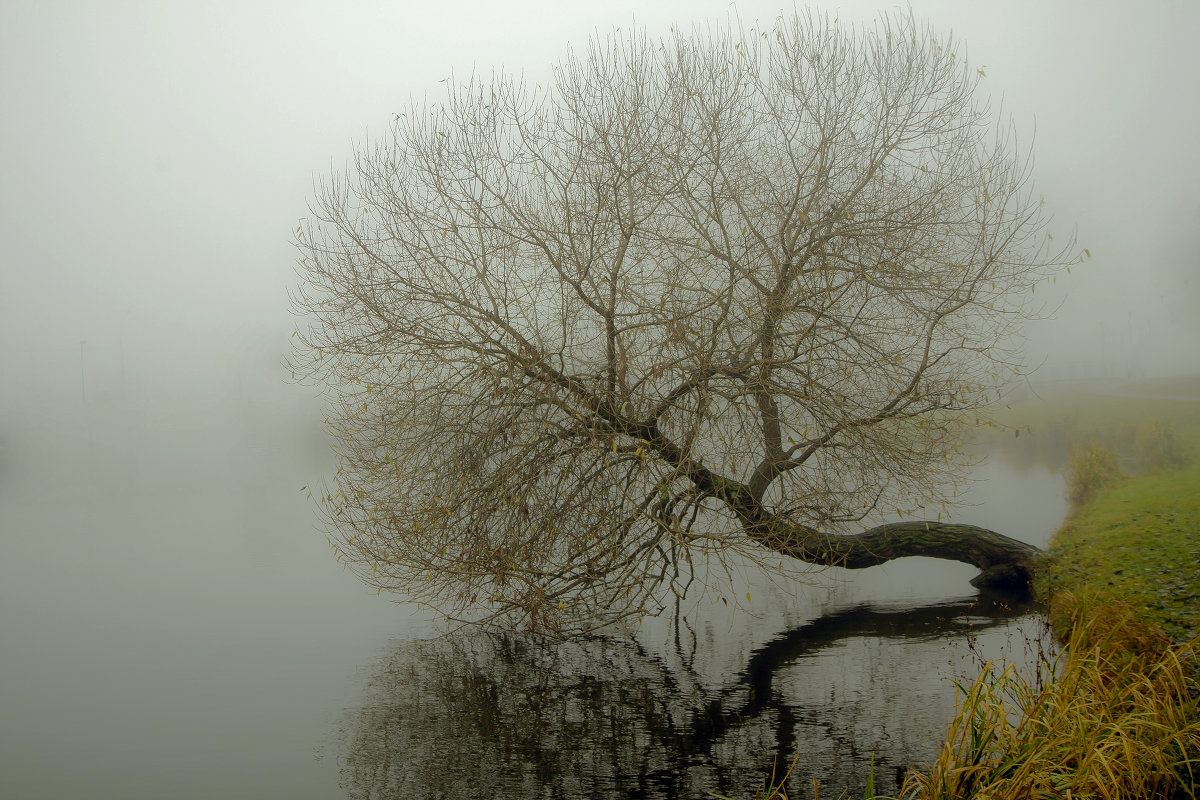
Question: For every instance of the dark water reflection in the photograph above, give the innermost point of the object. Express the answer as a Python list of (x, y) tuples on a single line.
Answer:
[(854, 671), (171, 625), (479, 715)]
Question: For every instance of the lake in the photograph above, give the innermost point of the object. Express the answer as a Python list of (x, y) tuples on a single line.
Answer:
[(172, 624)]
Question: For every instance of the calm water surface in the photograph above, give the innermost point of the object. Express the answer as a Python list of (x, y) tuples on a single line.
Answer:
[(171, 625)]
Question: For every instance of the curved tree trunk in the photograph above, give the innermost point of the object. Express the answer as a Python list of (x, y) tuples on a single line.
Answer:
[(1004, 562)]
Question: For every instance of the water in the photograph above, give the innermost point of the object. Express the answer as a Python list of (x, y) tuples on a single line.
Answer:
[(171, 624)]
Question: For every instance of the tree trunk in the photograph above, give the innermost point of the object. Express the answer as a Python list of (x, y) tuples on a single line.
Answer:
[(1004, 563)]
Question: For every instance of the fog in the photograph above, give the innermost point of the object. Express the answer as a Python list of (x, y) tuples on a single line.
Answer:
[(156, 159)]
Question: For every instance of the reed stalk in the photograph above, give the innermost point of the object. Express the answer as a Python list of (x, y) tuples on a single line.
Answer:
[(1116, 720)]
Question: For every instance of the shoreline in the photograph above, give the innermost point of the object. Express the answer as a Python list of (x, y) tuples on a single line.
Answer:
[(1121, 583)]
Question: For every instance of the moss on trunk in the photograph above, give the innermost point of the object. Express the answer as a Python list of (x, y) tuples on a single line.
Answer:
[(1004, 562)]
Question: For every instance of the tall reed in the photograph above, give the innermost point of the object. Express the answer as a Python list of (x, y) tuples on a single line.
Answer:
[(1116, 719)]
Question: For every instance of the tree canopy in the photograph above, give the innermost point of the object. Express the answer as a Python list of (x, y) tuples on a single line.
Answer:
[(721, 297)]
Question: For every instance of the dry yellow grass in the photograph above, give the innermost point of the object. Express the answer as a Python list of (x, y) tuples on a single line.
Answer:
[(1117, 721)]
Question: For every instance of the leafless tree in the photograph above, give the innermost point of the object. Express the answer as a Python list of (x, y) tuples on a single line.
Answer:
[(711, 299)]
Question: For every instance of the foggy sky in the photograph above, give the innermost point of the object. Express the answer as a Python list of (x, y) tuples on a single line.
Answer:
[(157, 157)]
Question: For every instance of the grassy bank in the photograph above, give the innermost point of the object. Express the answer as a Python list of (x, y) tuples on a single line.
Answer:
[(1117, 715), (1132, 460), (1112, 718), (1137, 543)]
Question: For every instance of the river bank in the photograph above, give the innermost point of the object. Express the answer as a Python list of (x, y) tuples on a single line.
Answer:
[(1132, 459), (1116, 714), (1138, 544)]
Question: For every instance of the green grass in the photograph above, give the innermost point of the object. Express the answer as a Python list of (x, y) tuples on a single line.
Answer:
[(1122, 581), (1133, 540), (1116, 716), (1139, 543)]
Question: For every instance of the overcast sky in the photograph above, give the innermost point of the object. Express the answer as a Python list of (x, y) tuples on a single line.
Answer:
[(157, 156)]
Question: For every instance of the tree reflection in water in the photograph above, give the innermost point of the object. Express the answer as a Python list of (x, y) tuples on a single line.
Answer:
[(483, 715)]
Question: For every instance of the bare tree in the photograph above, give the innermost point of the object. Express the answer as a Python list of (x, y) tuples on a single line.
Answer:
[(702, 301)]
